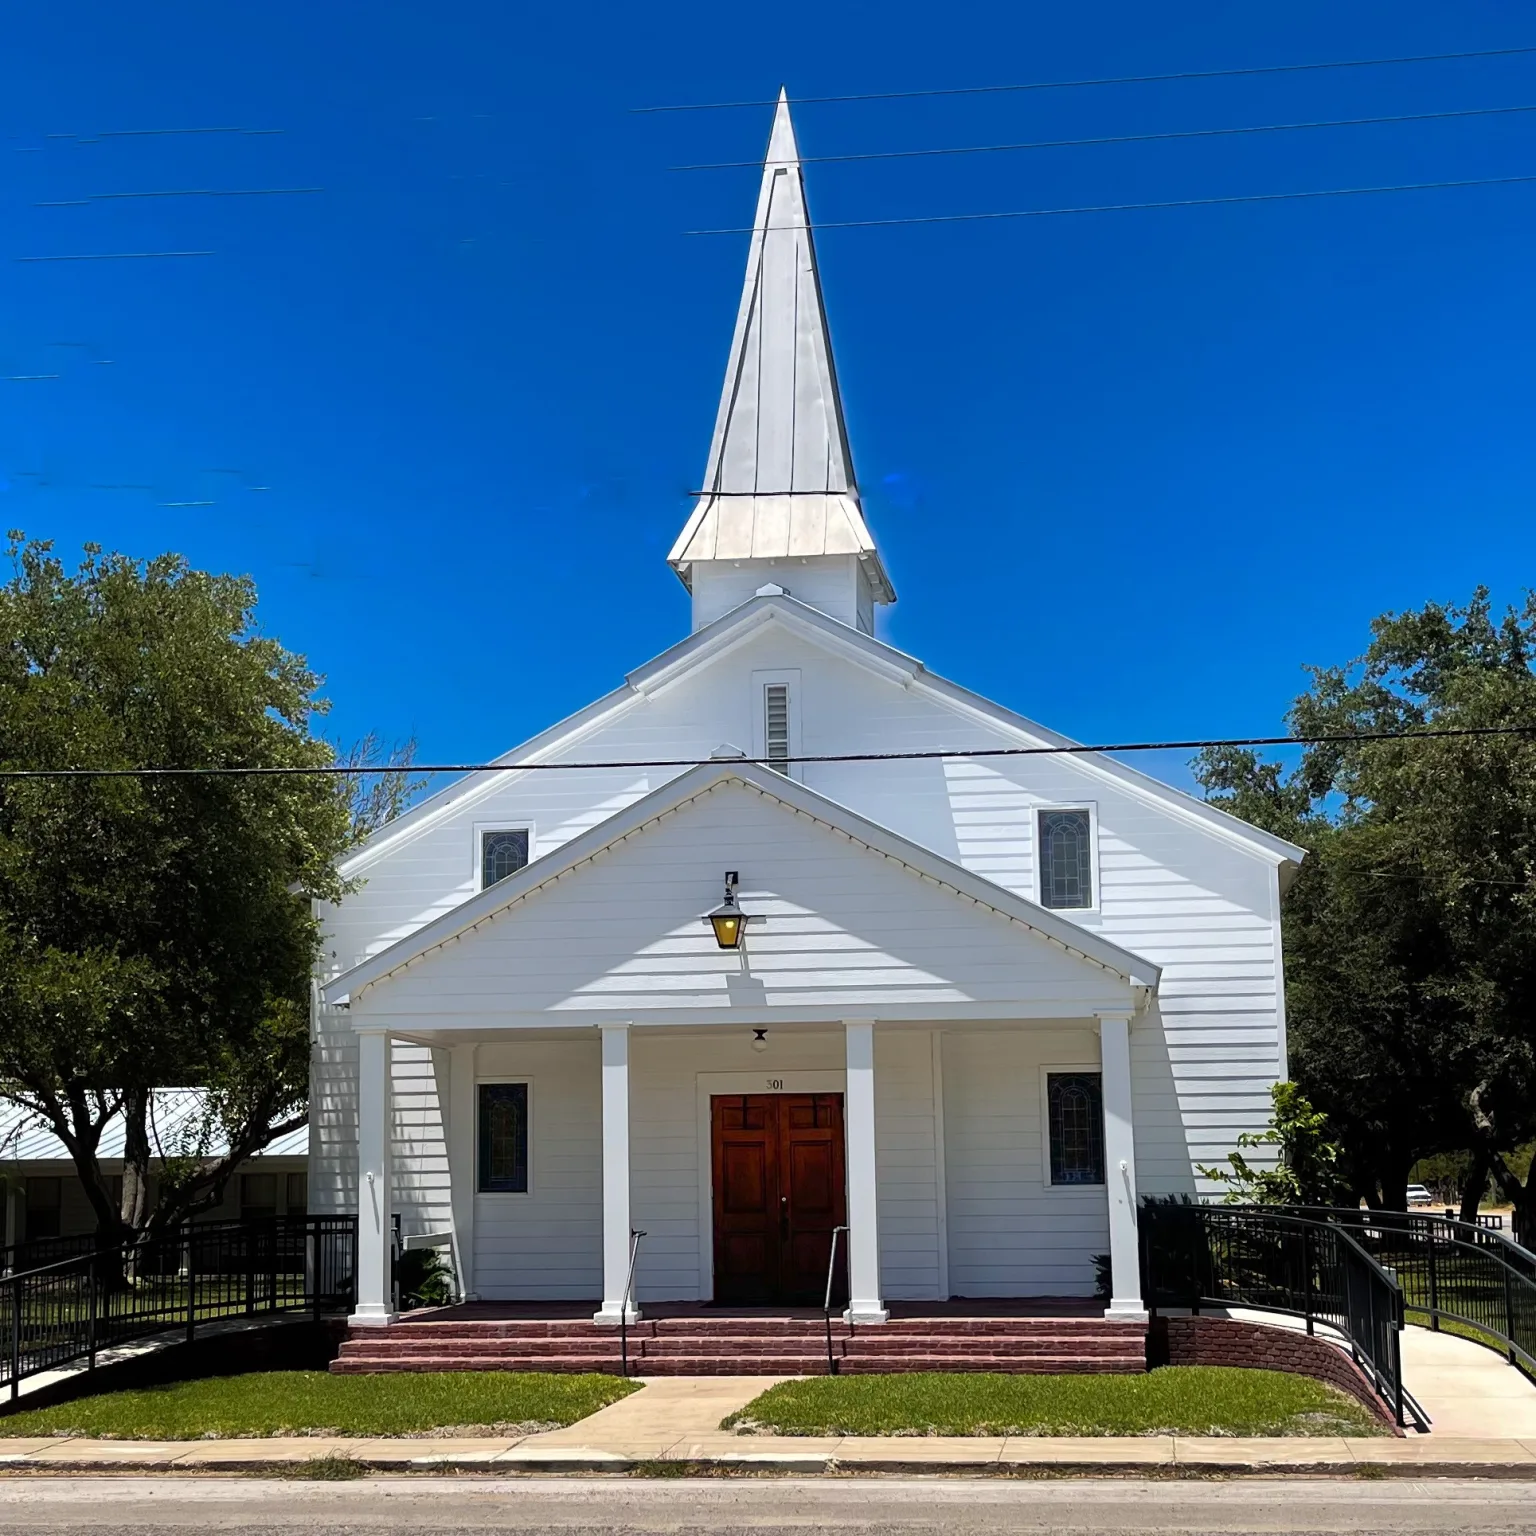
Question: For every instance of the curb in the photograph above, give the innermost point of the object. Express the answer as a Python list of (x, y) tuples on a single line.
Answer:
[(809, 1464)]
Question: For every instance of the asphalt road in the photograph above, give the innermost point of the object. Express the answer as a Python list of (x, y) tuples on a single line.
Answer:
[(746, 1507)]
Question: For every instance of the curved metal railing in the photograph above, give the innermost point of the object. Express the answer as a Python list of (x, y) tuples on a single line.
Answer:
[(1276, 1261), (70, 1310), (1451, 1272)]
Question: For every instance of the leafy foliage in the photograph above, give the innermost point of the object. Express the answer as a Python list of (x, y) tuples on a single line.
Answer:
[(1308, 1170), (425, 1277), (1411, 929), (158, 931)]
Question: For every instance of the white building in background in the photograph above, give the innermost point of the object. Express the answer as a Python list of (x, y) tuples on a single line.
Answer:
[(44, 1198), (982, 1004)]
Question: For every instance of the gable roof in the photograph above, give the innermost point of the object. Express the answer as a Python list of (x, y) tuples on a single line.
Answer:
[(175, 1114), (780, 477), (734, 627), (690, 786)]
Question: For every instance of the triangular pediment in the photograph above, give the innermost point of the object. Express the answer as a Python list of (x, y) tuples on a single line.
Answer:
[(854, 922)]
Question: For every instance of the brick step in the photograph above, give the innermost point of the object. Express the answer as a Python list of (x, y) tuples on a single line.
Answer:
[(1006, 1365), (870, 1341), (560, 1365), (999, 1346), (719, 1365), (740, 1328), (680, 1365), (508, 1330), (357, 1345)]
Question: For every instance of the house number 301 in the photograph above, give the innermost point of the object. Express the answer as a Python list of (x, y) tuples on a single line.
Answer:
[(775, 1083)]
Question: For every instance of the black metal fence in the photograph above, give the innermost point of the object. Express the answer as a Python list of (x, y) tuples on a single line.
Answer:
[(1453, 1274), (1275, 1261), (72, 1309), (38, 1251)]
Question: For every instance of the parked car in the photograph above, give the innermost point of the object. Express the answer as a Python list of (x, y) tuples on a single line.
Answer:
[(1418, 1195)]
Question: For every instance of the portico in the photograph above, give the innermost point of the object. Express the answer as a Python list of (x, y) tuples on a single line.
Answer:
[(960, 1047)]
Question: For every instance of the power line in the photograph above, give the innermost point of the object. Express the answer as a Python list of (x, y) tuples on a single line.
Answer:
[(352, 770), (116, 256), (156, 133), (1123, 138), (1182, 202), (1066, 85), (105, 197)]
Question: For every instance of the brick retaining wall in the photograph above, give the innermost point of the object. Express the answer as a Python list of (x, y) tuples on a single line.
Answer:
[(1226, 1341)]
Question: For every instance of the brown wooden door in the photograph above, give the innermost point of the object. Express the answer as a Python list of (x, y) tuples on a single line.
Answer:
[(778, 1194)]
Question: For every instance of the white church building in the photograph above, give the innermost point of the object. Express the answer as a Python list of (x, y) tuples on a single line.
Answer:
[(974, 1007)]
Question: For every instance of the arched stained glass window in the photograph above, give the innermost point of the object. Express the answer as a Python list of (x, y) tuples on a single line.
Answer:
[(1075, 1105), (1066, 859), (502, 854)]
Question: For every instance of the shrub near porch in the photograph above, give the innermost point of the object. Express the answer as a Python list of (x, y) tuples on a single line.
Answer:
[(1185, 1400)]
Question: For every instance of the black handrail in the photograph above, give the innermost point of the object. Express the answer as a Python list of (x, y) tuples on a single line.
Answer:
[(629, 1286), (76, 1307), (1271, 1260), (1451, 1271), (826, 1305), (39, 1252)]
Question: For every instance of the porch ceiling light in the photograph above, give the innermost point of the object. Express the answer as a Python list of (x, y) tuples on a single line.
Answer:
[(728, 920)]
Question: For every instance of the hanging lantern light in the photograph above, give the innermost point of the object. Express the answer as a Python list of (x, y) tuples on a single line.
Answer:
[(728, 920)]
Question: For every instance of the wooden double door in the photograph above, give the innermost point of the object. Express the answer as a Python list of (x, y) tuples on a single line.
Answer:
[(778, 1194)]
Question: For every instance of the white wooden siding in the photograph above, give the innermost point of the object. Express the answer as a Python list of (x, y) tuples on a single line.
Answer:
[(547, 1244), (1170, 888), (1010, 1233)]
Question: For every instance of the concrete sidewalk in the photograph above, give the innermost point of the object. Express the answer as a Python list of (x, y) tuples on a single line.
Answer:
[(676, 1420)]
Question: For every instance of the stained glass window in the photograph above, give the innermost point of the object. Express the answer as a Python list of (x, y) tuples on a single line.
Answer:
[(1066, 859), (502, 854), (503, 1138), (1075, 1103)]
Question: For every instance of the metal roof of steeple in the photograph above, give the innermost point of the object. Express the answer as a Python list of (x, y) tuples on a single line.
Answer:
[(780, 479)]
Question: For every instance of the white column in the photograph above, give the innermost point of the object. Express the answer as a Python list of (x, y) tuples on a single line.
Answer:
[(463, 1174), (615, 1175), (1120, 1169), (375, 1132), (864, 1303)]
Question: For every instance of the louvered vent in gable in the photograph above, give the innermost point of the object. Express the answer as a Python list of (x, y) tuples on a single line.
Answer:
[(776, 726)]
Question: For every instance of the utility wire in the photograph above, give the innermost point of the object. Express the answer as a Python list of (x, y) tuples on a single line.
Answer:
[(1066, 85), (1182, 202), (351, 770), (1123, 138), (106, 197), (116, 256)]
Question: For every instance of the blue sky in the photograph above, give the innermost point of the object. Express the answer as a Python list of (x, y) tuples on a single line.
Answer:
[(1128, 471)]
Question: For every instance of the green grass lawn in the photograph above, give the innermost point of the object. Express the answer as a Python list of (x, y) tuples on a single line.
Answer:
[(295, 1402), (1185, 1400)]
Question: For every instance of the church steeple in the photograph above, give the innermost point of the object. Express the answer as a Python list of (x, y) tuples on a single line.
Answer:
[(779, 503)]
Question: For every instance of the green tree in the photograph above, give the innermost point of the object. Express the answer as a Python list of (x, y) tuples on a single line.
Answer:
[(1308, 1169), (159, 931), (1411, 930)]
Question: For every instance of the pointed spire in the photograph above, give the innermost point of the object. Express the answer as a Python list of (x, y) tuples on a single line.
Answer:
[(780, 479)]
